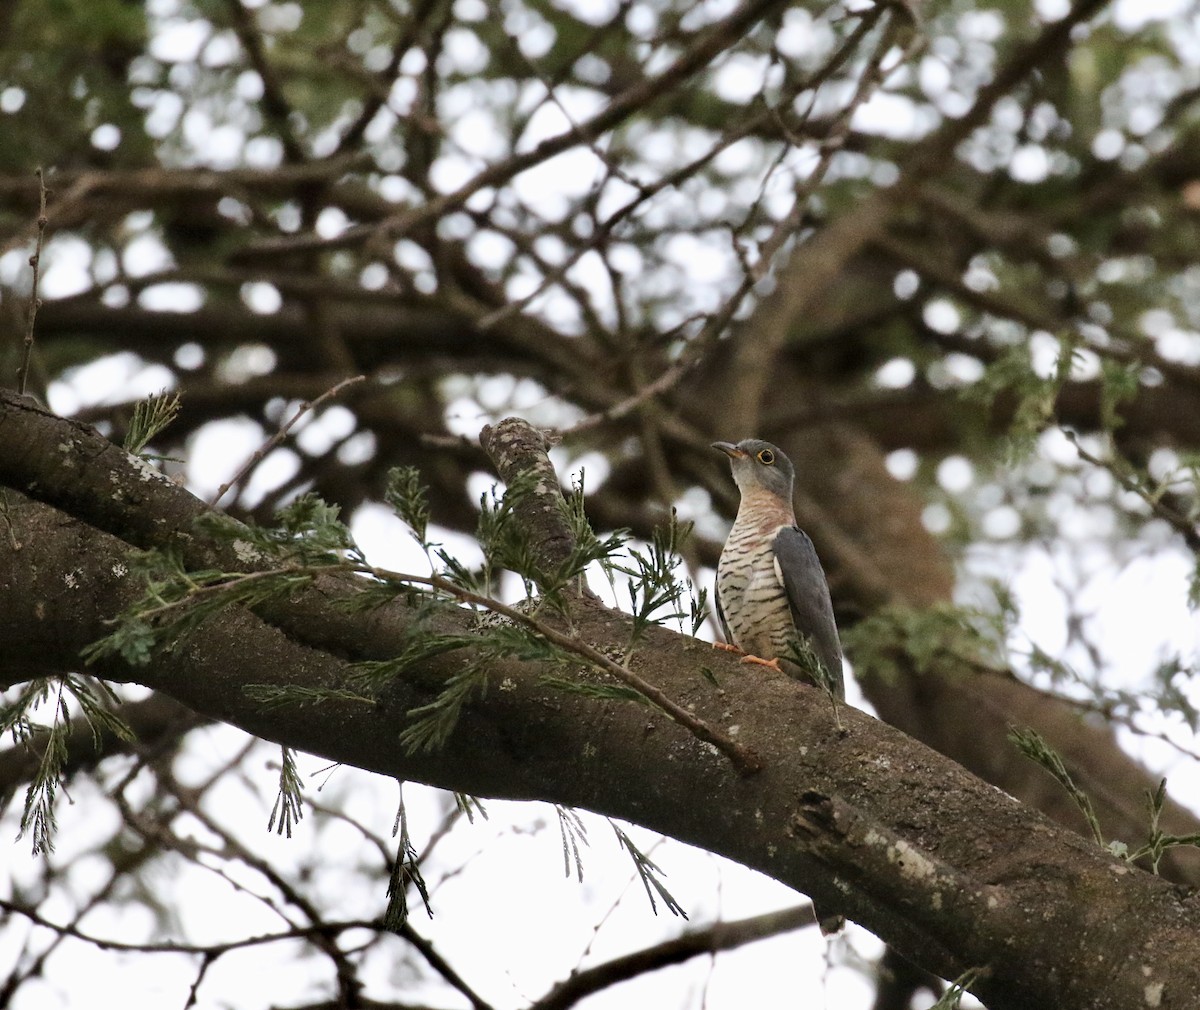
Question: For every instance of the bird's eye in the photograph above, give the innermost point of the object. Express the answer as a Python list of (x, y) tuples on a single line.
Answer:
[(766, 457)]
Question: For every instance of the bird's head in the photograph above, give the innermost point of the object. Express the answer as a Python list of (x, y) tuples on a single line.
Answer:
[(759, 465)]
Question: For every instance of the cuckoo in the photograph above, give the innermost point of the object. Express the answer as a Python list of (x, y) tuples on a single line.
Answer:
[(772, 598)]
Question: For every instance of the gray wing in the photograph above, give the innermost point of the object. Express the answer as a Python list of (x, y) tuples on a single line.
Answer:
[(720, 612), (808, 596)]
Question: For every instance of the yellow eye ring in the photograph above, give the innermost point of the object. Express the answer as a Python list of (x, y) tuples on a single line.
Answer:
[(766, 457)]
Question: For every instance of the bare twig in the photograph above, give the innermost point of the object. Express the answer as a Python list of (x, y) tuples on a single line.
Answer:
[(35, 302), (644, 192), (713, 40), (378, 96), (720, 936), (743, 758), (668, 380), (1176, 520), (754, 360), (261, 452), (173, 947)]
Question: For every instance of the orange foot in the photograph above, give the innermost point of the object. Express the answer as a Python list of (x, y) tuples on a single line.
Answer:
[(725, 648), (759, 661)]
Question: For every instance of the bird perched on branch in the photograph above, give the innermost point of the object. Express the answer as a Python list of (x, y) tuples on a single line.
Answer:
[(772, 598)]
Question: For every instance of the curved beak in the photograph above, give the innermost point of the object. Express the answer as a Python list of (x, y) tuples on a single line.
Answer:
[(730, 450)]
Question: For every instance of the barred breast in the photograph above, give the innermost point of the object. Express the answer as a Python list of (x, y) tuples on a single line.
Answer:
[(752, 596)]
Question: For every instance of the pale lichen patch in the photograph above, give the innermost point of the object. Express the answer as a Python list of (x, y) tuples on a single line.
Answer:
[(246, 552), (1154, 993), (147, 471), (912, 862)]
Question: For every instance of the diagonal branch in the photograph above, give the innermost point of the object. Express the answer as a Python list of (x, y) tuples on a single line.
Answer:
[(720, 936), (950, 871)]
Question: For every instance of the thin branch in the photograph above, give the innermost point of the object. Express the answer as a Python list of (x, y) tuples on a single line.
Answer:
[(173, 947), (743, 758), (644, 192), (1176, 520), (665, 382), (443, 967), (718, 937), (35, 302), (378, 96), (715, 39), (754, 360), (271, 443)]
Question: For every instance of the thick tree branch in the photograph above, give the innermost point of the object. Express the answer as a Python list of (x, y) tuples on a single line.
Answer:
[(944, 867)]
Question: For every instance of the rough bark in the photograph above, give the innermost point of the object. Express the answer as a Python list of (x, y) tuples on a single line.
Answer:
[(949, 870)]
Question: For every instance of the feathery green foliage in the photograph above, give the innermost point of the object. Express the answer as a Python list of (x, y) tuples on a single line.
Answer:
[(279, 695), (50, 742), (1030, 743), (409, 499), (310, 539), (573, 832), (433, 722), (653, 584), (177, 601), (951, 999), (406, 870), (650, 875), (801, 652), (586, 546), (1012, 374), (289, 804), (940, 639), (470, 806), (594, 689), (150, 417), (419, 646), (1157, 841), (307, 531), (505, 544)]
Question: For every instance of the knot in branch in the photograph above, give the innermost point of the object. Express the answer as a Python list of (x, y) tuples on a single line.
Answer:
[(516, 448)]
